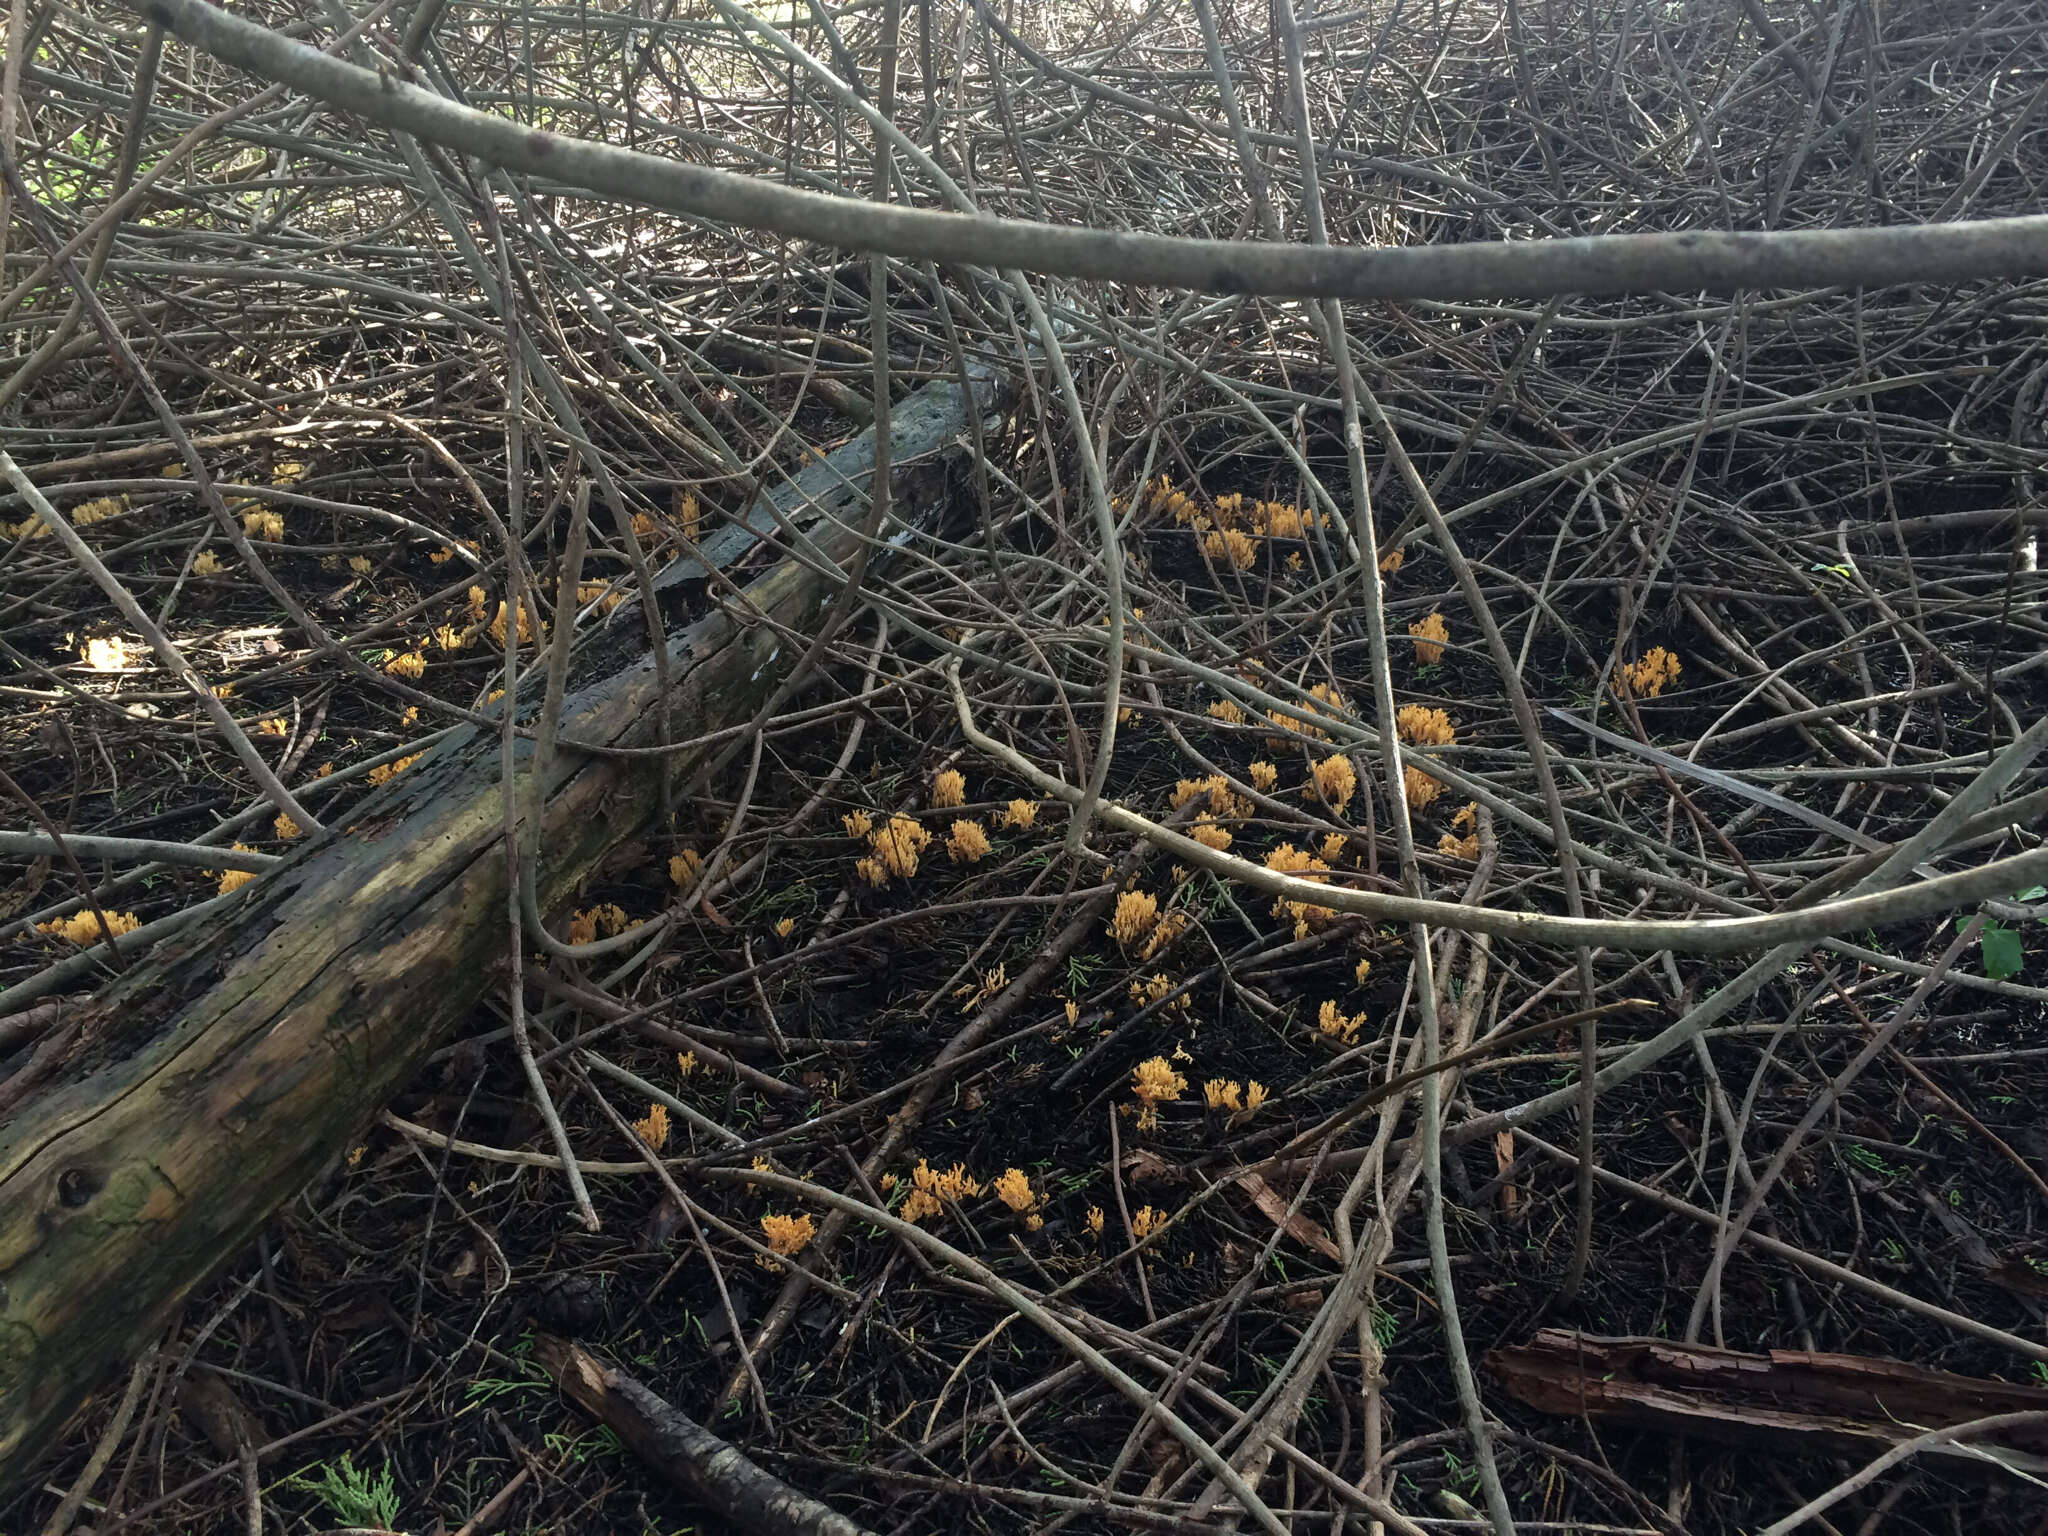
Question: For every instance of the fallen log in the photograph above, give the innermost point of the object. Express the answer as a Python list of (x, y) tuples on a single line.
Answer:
[(1784, 1400), (222, 1074)]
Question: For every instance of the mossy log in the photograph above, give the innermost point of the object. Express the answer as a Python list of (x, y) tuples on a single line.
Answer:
[(227, 1070)]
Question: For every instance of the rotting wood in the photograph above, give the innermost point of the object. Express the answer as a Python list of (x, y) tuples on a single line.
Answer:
[(1786, 1399), (220, 1076), (683, 1451)]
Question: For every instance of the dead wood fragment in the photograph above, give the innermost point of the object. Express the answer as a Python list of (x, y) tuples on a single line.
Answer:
[(684, 1452), (1786, 1399)]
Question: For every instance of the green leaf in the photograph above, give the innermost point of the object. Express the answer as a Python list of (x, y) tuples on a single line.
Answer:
[(2002, 954), (2032, 893)]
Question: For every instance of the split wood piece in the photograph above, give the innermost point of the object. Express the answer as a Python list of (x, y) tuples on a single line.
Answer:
[(1787, 1399), (215, 1080), (683, 1451)]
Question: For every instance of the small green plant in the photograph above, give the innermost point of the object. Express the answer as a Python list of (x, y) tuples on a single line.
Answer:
[(1999, 945), (1866, 1158), (600, 1441), (352, 1496), (1384, 1328)]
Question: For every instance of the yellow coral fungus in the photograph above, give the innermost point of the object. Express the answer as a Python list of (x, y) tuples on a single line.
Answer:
[(949, 789), (1136, 913), (789, 1235), (1165, 932), (1208, 834), (1226, 710), (98, 510), (1282, 520), (1263, 776), (652, 1127), (932, 1190), (1452, 846), (285, 827), (897, 846), (1095, 1220), (1653, 674), (1392, 561), (1424, 726), (600, 593), (206, 563), (1336, 781), (1336, 1025), (1228, 544), (1290, 860), (857, 823), (1222, 1093), (528, 623), (684, 866), (105, 653), (608, 919), (263, 525), (1223, 800), (1154, 1082), (384, 773), (83, 928), (784, 927), (1254, 1096), (406, 664), (1021, 814), (1419, 788), (1430, 634), (967, 843), (1013, 1188)]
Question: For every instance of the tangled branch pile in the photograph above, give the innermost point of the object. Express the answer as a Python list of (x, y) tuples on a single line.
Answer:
[(1664, 609)]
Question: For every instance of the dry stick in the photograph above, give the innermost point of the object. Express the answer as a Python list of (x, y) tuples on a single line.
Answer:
[(683, 1203), (209, 491), (103, 1449), (60, 335), (880, 488), (1875, 901), (1605, 264), (515, 605), (1348, 1303), (1975, 797), (167, 654), (683, 1451), (1813, 1509), (1546, 786), (545, 739), (66, 850), (1724, 1242), (1042, 1317), (1350, 386), (1045, 964), (1827, 1269)]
